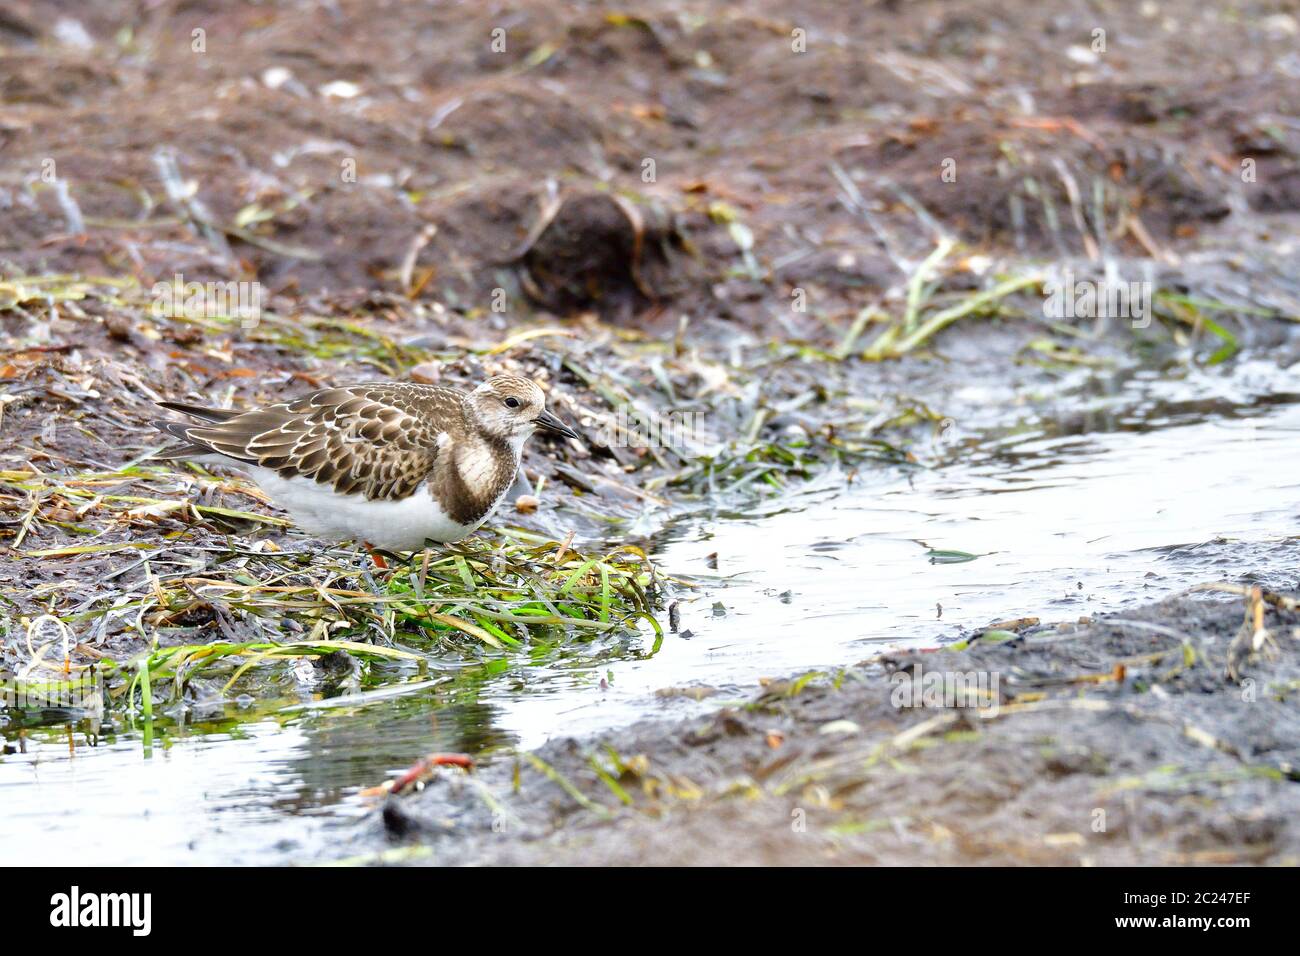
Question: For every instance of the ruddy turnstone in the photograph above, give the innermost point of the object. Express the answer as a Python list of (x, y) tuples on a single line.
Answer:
[(390, 464)]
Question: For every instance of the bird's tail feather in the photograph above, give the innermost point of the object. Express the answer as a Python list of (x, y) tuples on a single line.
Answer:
[(182, 453), (179, 430), (191, 448), (200, 412)]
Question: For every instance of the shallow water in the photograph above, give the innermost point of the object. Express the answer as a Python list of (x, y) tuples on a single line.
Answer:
[(1126, 489)]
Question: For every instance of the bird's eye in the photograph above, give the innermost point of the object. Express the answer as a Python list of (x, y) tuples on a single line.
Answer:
[(512, 402)]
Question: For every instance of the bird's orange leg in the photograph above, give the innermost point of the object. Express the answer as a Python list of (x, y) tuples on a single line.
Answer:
[(380, 563)]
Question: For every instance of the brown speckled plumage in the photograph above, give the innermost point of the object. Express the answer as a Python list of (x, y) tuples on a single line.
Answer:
[(383, 440)]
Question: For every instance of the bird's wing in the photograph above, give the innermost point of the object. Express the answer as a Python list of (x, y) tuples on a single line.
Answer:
[(380, 440)]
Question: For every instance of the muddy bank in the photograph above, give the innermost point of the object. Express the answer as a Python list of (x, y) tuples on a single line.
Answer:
[(744, 151), (1122, 740)]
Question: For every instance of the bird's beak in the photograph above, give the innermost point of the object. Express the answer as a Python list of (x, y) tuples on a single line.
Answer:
[(552, 424)]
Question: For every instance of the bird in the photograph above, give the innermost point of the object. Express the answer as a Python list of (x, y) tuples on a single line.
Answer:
[(391, 465)]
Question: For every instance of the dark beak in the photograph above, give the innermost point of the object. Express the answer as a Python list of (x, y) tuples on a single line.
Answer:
[(552, 424)]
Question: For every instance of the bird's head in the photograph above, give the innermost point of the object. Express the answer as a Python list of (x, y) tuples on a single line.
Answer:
[(512, 408)]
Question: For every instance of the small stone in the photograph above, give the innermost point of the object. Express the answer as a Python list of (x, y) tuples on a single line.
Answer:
[(340, 89), (836, 727), (1281, 23), (70, 32), (526, 504), (276, 77), (119, 328), (1081, 54), (426, 373)]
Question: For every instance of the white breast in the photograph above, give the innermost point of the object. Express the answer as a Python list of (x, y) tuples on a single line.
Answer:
[(392, 525)]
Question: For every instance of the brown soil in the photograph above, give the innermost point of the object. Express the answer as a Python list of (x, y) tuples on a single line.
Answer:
[(1056, 148)]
